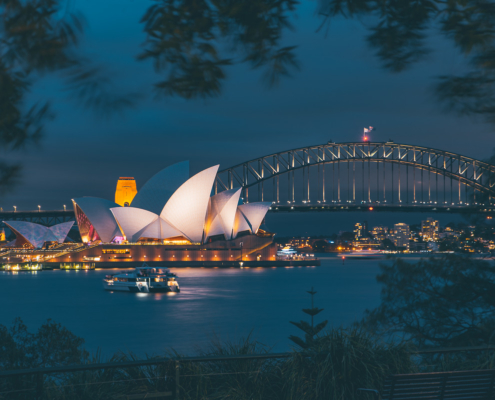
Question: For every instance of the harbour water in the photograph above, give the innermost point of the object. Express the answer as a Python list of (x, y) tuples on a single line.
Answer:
[(214, 303)]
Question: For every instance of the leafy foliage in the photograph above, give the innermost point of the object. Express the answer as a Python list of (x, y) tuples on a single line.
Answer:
[(184, 37), (37, 37), (343, 360), (443, 302), (50, 346), (399, 31)]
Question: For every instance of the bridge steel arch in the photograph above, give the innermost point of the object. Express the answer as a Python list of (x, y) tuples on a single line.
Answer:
[(476, 175)]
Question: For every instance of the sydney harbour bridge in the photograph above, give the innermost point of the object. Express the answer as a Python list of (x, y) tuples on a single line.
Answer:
[(353, 176)]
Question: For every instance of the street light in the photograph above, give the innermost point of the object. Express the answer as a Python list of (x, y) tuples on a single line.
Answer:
[(39, 208), (65, 209), (15, 208)]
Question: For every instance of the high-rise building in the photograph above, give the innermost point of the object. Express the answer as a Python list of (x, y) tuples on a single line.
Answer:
[(429, 230), (125, 192), (358, 231), (402, 235)]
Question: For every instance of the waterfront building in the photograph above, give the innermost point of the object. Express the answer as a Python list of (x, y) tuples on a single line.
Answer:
[(430, 230), (358, 231), (125, 192), (299, 242), (380, 233), (401, 235)]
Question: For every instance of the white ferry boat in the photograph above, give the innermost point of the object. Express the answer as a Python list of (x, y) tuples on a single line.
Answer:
[(144, 279), (286, 251)]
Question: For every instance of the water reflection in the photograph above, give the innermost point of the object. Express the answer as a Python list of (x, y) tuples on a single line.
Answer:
[(228, 302)]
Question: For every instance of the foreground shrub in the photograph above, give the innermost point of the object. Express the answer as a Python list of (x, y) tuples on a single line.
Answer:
[(343, 361)]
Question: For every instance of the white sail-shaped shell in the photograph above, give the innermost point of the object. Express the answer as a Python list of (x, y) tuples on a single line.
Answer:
[(97, 212), (159, 188), (160, 229), (37, 234), (241, 224), (186, 209), (221, 213), (60, 231), (133, 221), (250, 216), (32, 233)]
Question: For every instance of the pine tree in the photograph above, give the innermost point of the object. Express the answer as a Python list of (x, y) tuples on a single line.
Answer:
[(311, 331)]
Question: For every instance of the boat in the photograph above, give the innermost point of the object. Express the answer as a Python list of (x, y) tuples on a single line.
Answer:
[(144, 279), (286, 251), (365, 254)]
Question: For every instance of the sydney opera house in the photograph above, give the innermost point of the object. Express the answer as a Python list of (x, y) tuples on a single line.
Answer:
[(173, 218)]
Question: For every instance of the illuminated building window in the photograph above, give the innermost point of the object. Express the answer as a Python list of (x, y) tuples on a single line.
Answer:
[(116, 251)]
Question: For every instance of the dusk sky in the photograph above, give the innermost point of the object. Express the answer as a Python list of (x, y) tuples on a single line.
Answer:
[(340, 89)]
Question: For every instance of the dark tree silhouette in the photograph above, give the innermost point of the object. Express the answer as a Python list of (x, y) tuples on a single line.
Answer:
[(191, 42), (399, 32), (311, 338), (448, 301)]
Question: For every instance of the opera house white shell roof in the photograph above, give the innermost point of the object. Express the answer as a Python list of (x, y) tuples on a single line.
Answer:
[(159, 188), (95, 219), (250, 216), (186, 209), (171, 206), (36, 234), (221, 213)]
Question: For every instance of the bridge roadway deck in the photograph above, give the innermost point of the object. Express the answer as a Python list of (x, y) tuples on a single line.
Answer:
[(54, 217), (374, 207)]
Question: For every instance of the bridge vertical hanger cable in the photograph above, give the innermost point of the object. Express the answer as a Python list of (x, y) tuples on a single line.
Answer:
[(429, 180), (304, 180), (384, 177), (377, 178), (414, 176), (451, 182), (323, 182), (369, 173), (407, 178), (288, 179), (318, 197), (309, 167), (362, 194), (354, 174), (392, 200), (466, 200), (333, 181), (292, 183), (460, 172), (398, 167), (436, 181), (422, 181), (348, 181)]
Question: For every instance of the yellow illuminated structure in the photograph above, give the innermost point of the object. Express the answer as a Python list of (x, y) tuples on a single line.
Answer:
[(125, 192)]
